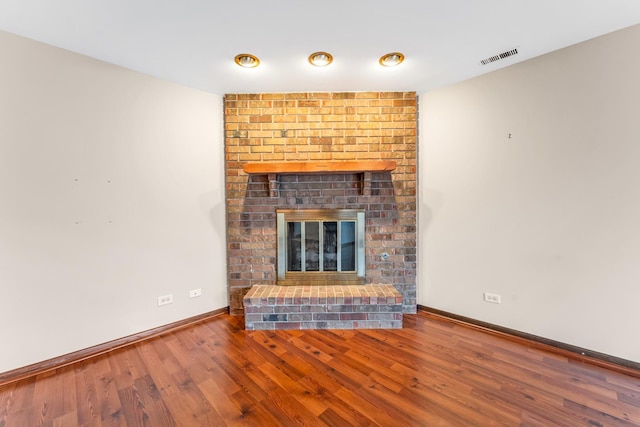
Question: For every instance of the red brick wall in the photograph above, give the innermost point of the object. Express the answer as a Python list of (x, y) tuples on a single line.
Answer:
[(321, 126)]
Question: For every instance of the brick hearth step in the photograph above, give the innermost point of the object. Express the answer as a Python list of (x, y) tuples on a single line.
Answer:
[(323, 307)]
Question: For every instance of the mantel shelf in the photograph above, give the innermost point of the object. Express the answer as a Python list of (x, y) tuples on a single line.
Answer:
[(319, 166)]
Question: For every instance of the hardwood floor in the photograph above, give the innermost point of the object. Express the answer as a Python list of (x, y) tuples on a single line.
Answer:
[(430, 373)]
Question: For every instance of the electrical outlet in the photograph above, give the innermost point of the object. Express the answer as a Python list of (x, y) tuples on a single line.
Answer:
[(195, 293), (165, 299), (493, 298)]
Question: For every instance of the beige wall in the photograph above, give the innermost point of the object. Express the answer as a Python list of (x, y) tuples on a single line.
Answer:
[(111, 194), (549, 218)]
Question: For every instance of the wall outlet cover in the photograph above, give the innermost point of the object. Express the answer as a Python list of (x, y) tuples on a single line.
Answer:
[(165, 299), (492, 298)]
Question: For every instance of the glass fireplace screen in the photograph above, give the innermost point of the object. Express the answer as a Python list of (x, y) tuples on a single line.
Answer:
[(320, 241)]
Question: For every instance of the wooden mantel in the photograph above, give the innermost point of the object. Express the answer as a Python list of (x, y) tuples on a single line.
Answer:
[(320, 166), (364, 167)]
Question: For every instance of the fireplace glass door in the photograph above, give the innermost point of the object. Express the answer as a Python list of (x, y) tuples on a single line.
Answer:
[(320, 241), (321, 246)]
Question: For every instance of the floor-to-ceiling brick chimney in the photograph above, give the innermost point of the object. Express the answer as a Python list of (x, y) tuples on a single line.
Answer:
[(295, 127)]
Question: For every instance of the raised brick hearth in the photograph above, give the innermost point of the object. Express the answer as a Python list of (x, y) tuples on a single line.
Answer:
[(323, 307)]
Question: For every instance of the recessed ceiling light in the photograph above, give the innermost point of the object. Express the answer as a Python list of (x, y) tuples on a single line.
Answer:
[(391, 59), (247, 60), (320, 59)]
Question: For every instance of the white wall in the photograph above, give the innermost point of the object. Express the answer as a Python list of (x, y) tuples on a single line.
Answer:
[(550, 218), (111, 194)]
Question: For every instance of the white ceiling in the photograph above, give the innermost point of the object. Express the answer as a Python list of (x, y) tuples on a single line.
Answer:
[(193, 42)]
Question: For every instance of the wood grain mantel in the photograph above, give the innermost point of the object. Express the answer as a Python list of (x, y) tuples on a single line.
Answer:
[(275, 169), (320, 166)]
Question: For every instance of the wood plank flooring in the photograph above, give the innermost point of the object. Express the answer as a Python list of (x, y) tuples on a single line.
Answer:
[(430, 373)]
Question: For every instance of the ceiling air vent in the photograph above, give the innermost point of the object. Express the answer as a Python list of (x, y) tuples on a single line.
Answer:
[(499, 56)]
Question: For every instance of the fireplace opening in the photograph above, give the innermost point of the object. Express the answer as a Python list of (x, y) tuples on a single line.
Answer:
[(320, 246)]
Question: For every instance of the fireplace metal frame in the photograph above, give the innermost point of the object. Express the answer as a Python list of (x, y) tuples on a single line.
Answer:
[(320, 277)]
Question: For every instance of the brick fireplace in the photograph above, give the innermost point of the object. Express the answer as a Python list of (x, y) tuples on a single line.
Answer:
[(321, 127)]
